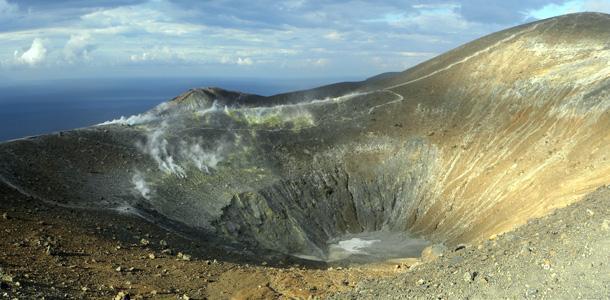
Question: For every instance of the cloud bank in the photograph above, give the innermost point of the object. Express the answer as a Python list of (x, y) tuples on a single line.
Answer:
[(239, 38)]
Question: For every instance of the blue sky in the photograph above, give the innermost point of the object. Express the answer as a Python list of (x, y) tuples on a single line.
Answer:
[(42, 39)]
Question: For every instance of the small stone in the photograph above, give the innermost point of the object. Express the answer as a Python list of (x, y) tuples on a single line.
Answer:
[(144, 242), (482, 280), (531, 292), (186, 297), (119, 269), (546, 264), (84, 289), (421, 282), (122, 296), (468, 277), (151, 256), (50, 250), (183, 256)]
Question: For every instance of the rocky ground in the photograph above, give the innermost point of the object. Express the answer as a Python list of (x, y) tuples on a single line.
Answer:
[(56, 253), (52, 252), (565, 255)]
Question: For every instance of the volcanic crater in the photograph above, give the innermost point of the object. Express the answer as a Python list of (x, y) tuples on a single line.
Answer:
[(469, 144)]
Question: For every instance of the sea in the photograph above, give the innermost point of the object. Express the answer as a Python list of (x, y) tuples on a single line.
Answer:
[(32, 108)]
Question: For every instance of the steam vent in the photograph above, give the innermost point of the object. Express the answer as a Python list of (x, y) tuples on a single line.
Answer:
[(472, 143)]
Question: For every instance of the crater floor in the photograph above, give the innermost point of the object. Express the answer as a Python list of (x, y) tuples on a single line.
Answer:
[(368, 247)]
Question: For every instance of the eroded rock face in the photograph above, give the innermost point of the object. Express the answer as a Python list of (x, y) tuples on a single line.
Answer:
[(468, 144)]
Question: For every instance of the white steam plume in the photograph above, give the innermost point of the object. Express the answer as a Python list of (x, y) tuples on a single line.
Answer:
[(132, 120), (157, 147), (202, 159), (172, 158), (175, 155), (140, 185)]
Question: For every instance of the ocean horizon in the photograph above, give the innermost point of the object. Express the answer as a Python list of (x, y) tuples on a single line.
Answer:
[(43, 107)]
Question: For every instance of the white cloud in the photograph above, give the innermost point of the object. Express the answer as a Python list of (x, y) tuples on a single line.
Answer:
[(320, 62), (417, 54), (597, 6), (303, 37), (334, 36), (398, 61), (244, 61), (159, 54), (33, 56), (430, 21), (78, 47), (139, 57), (552, 10), (228, 60), (154, 17), (437, 6)]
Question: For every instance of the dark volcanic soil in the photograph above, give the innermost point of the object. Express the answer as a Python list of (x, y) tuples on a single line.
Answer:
[(56, 253), (52, 252)]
